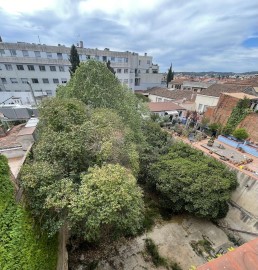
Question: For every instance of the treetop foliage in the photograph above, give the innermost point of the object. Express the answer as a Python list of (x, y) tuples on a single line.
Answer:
[(96, 86), (190, 181)]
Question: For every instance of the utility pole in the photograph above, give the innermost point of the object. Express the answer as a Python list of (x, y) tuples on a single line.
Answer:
[(32, 93)]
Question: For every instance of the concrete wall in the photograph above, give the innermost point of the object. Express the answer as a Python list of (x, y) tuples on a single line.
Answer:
[(155, 98), (243, 212)]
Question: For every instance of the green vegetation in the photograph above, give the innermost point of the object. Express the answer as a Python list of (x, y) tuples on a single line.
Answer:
[(74, 60), (142, 97), (237, 115), (240, 134), (187, 180), (170, 75), (152, 250), (22, 244), (83, 168), (202, 246)]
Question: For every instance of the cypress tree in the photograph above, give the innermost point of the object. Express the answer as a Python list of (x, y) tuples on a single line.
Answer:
[(74, 60), (110, 68), (170, 75)]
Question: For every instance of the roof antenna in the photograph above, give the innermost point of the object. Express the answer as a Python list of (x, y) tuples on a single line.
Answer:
[(39, 39)]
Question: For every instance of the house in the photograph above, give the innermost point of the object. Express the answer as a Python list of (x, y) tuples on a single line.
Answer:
[(244, 257), (166, 108), (210, 96), (189, 85), (157, 94)]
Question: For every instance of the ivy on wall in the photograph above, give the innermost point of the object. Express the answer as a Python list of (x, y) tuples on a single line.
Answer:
[(238, 114), (22, 245)]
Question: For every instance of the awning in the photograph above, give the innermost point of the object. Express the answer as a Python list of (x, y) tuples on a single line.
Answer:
[(172, 112)]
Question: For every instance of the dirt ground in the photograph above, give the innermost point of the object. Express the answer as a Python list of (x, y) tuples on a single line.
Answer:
[(173, 240)]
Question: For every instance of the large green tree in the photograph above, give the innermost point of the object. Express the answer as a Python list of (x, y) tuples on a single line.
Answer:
[(72, 138), (109, 202), (74, 60), (96, 86), (187, 180)]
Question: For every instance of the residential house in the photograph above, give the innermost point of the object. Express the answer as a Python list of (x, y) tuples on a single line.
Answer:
[(210, 96), (167, 108)]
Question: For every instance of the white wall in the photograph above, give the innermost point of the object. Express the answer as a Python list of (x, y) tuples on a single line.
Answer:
[(202, 102), (155, 98)]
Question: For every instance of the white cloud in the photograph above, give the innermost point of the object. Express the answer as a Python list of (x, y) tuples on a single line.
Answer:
[(195, 35)]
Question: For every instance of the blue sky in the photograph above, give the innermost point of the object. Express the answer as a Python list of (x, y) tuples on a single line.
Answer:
[(195, 35)]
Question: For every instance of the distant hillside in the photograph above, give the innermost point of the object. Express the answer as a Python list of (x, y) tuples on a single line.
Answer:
[(203, 73)]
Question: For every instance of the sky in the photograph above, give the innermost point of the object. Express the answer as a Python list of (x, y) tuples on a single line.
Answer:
[(193, 35)]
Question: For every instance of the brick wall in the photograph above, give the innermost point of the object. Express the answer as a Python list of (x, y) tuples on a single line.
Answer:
[(222, 112)]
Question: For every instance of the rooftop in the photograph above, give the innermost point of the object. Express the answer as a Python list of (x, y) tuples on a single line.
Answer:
[(172, 94), (164, 106), (240, 95), (216, 89), (244, 257)]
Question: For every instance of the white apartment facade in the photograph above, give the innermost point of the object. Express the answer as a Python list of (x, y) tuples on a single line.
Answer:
[(45, 67)]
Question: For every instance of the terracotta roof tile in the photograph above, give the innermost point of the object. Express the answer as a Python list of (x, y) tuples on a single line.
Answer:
[(216, 89), (172, 94), (164, 106), (244, 257)]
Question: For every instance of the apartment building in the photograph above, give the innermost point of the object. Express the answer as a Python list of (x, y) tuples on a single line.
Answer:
[(39, 68)]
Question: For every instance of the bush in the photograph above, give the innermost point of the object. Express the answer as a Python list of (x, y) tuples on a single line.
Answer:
[(240, 134)]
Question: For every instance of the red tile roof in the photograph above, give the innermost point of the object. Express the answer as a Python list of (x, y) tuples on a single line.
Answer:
[(164, 106), (244, 257)]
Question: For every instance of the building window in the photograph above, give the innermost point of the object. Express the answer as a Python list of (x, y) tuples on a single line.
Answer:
[(13, 52), (35, 80), (64, 80), (55, 81), (200, 107), (113, 59), (45, 80), (42, 68), (59, 56), (49, 92), (14, 80), (49, 55), (31, 67), (24, 80), (87, 57), (148, 62), (97, 57), (139, 62), (61, 68), (52, 68), (147, 71), (25, 53), (119, 70), (4, 81), (20, 67), (8, 67), (120, 60), (126, 60), (126, 70), (37, 54), (104, 58), (2, 52), (125, 80)]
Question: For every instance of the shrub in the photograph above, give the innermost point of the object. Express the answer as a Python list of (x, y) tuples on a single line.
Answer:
[(240, 134)]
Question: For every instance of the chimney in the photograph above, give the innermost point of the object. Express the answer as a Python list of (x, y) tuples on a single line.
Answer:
[(145, 54), (1, 39), (81, 44)]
